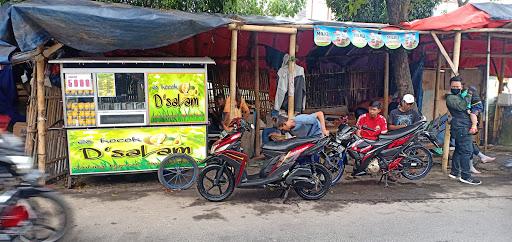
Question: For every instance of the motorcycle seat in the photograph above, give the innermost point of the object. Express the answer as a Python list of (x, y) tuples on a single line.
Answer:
[(287, 144), (396, 134)]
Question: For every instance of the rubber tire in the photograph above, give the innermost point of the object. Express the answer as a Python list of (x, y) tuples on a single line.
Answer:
[(54, 197), (319, 168), (429, 165), (202, 189), (172, 186), (330, 165)]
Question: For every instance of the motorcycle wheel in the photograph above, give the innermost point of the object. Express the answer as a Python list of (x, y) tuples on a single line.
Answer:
[(178, 172), (212, 189), (46, 208), (323, 184), (336, 168), (421, 158)]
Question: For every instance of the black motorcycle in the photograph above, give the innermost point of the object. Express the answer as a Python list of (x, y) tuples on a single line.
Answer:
[(28, 211)]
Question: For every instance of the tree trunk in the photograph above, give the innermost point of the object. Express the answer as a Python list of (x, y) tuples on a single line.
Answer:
[(398, 11)]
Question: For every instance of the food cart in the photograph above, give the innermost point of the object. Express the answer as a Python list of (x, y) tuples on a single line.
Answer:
[(125, 115)]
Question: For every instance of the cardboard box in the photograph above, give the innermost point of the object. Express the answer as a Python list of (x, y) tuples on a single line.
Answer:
[(20, 129)]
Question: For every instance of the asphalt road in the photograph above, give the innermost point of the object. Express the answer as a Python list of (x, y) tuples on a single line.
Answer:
[(434, 209)]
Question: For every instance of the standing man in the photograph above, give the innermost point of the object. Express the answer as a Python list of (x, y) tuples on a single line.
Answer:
[(405, 115), (460, 130)]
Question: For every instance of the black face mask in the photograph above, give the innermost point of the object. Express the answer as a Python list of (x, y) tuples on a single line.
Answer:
[(455, 91)]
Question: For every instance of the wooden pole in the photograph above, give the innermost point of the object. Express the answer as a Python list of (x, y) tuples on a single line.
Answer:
[(268, 29), (445, 54), (41, 114), (257, 92), (291, 76), (436, 85), (486, 131), (501, 78), (386, 84), (455, 71), (232, 72)]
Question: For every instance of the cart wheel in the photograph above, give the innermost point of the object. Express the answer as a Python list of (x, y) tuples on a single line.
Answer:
[(178, 172)]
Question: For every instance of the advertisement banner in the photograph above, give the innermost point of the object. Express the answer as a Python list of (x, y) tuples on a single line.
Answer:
[(360, 37), (78, 82), (106, 83), (177, 98), (117, 150)]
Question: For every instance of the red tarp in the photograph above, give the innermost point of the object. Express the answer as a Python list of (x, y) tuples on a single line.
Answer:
[(466, 17), (470, 16)]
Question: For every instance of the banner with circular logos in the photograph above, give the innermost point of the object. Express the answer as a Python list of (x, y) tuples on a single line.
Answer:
[(360, 37)]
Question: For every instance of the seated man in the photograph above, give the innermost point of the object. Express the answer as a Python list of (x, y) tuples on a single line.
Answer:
[(404, 115), (304, 125), (374, 122)]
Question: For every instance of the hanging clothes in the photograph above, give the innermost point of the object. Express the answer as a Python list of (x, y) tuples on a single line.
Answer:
[(273, 57), (272, 84), (299, 87)]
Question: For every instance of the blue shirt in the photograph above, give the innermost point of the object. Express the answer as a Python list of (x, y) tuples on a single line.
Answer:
[(306, 125)]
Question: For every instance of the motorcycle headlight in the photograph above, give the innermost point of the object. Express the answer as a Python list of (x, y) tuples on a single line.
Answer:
[(23, 163)]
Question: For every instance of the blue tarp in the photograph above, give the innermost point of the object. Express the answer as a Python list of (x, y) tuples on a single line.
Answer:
[(495, 10), (96, 27)]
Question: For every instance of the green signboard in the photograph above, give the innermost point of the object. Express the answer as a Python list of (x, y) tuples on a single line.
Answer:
[(177, 98), (131, 149)]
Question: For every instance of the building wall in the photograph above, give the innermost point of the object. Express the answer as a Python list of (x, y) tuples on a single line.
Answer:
[(316, 9)]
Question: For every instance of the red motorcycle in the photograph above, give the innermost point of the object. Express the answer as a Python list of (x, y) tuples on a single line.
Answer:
[(291, 164), (397, 152)]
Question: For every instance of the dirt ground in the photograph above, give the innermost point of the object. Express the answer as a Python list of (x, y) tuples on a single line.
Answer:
[(367, 188)]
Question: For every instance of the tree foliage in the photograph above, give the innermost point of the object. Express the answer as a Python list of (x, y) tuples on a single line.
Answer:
[(286, 8), (375, 11)]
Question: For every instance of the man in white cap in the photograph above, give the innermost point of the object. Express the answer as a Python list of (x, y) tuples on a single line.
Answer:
[(404, 115)]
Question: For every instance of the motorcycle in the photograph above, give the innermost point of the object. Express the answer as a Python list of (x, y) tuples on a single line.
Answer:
[(289, 164), (28, 211), (395, 153)]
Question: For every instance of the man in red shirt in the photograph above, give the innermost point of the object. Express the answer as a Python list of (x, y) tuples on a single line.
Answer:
[(374, 122)]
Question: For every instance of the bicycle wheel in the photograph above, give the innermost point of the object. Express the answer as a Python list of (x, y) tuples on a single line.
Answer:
[(178, 172)]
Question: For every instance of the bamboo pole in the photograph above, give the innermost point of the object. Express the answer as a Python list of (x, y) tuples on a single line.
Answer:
[(445, 54), (436, 85), (257, 92), (386, 84), (41, 114), (486, 131), (232, 72), (291, 76), (501, 79), (268, 29), (455, 71)]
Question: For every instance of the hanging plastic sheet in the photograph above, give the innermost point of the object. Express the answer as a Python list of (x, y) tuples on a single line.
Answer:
[(96, 27)]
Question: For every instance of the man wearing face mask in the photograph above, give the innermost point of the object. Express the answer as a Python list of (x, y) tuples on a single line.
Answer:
[(460, 130)]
